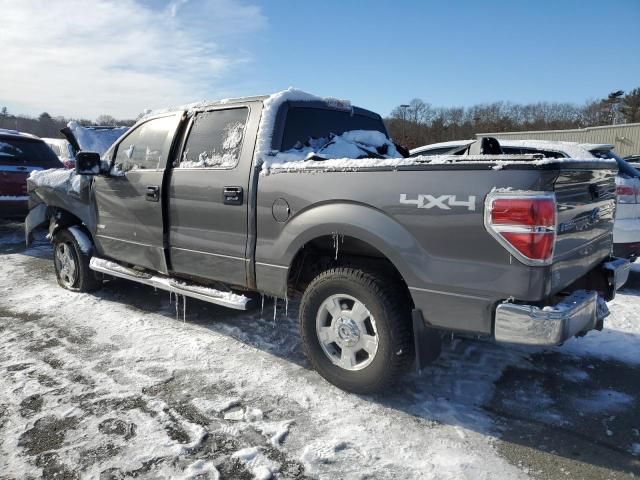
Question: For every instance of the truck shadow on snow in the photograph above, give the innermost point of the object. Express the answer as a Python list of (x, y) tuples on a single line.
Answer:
[(553, 409)]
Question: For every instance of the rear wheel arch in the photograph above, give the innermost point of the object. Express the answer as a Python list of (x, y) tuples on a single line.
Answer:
[(329, 251), (358, 231)]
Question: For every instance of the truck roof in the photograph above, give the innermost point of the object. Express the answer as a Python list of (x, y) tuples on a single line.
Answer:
[(291, 94)]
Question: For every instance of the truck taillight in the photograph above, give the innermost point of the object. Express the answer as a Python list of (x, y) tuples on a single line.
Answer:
[(525, 224)]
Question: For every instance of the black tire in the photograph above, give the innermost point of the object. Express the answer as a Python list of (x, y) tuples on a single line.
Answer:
[(81, 278), (386, 304)]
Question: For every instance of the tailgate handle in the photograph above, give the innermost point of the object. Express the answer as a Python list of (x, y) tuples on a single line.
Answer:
[(232, 196), (153, 193)]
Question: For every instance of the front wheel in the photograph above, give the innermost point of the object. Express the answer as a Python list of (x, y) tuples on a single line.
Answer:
[(72, 263), (356, 329)]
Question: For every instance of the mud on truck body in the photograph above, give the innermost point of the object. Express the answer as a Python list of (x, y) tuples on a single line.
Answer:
[(292, 194)]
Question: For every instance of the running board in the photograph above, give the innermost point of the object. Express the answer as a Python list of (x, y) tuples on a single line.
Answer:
[(211, 295)]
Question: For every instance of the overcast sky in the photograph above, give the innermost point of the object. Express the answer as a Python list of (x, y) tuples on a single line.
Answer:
[(83, 58)]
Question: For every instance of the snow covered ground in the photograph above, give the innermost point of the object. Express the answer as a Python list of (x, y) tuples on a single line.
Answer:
[(112, 385)]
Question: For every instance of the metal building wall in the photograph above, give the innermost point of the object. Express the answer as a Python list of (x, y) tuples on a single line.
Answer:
[(626, 137)]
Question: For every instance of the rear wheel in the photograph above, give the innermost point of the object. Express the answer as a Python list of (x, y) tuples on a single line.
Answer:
[(356, 329), (72, 264)]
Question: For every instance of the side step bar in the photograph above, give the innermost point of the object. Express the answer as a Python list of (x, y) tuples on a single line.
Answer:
[(211, 295)]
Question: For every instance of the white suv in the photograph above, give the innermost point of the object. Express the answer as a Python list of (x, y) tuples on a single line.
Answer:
[(626, 230)]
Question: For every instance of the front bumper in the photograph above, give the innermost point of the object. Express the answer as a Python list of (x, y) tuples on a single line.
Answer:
[(576, 314)]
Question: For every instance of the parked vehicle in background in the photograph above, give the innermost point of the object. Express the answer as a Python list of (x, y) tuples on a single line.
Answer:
[(442, 148), (294, 194), (63, 149), (626, 233), (20, 154)]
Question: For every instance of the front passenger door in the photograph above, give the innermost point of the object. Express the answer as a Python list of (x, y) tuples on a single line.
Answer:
[(129, 200)]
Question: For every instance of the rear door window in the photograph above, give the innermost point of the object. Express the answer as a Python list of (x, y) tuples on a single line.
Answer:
[(28, 153), (147, 146), (215, 139)]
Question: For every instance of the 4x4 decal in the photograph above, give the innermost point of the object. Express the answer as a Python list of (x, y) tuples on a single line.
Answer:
[(444, 202)]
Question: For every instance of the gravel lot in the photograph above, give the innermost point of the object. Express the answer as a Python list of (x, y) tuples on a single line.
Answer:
[(115, 385)]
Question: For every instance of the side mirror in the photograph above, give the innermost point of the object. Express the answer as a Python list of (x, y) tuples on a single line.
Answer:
[(88, 163)]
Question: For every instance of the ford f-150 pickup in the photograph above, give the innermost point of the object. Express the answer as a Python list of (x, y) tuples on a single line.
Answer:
[(291, 193)]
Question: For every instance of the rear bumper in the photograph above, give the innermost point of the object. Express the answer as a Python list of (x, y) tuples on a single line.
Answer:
[(627, 250), (576, 314)]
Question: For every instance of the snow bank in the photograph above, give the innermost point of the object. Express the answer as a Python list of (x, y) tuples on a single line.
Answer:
[(93, 139)]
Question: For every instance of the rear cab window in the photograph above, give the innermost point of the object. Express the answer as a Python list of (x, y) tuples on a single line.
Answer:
[(215, 139), (303, 123)]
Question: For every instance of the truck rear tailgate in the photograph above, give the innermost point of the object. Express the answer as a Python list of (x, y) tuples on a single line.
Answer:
[(586, 207)]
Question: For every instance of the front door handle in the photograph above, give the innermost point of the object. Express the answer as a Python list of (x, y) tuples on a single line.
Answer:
[(153, 193), (232, 196)]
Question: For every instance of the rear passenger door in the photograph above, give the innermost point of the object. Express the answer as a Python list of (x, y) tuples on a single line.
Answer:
[(129, 201), (209, 195)]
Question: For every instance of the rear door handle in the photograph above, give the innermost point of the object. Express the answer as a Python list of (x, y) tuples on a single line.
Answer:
[(232, 196), (153, 193)]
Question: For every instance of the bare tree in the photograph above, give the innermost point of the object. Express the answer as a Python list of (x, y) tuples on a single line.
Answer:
[(630, 106)]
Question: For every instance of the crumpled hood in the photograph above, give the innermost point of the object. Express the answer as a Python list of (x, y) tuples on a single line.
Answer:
[(92, 139)]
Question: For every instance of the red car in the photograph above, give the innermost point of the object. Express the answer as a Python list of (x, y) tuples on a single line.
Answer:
[(20, 154)]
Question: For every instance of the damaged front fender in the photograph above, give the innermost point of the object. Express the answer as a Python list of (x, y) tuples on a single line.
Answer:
[(58, 190), (36, 217)]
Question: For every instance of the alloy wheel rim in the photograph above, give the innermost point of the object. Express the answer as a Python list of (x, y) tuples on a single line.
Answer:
[(66, 264), (347, 332)]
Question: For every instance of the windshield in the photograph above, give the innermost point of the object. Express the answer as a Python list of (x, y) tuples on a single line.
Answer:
[(624, 166), (304, 123), (27, 152)]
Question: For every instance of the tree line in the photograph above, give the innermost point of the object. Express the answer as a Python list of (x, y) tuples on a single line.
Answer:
[(420, 123), (48, 126)]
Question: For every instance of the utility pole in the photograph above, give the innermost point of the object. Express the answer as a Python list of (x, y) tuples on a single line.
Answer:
[(403, 108)]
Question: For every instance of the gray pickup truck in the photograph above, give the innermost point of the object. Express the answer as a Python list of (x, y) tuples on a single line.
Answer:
[(387, 253)]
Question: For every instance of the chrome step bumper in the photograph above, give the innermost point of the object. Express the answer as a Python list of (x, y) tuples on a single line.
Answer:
[(226, 299), (530, 325), (576, 314)]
